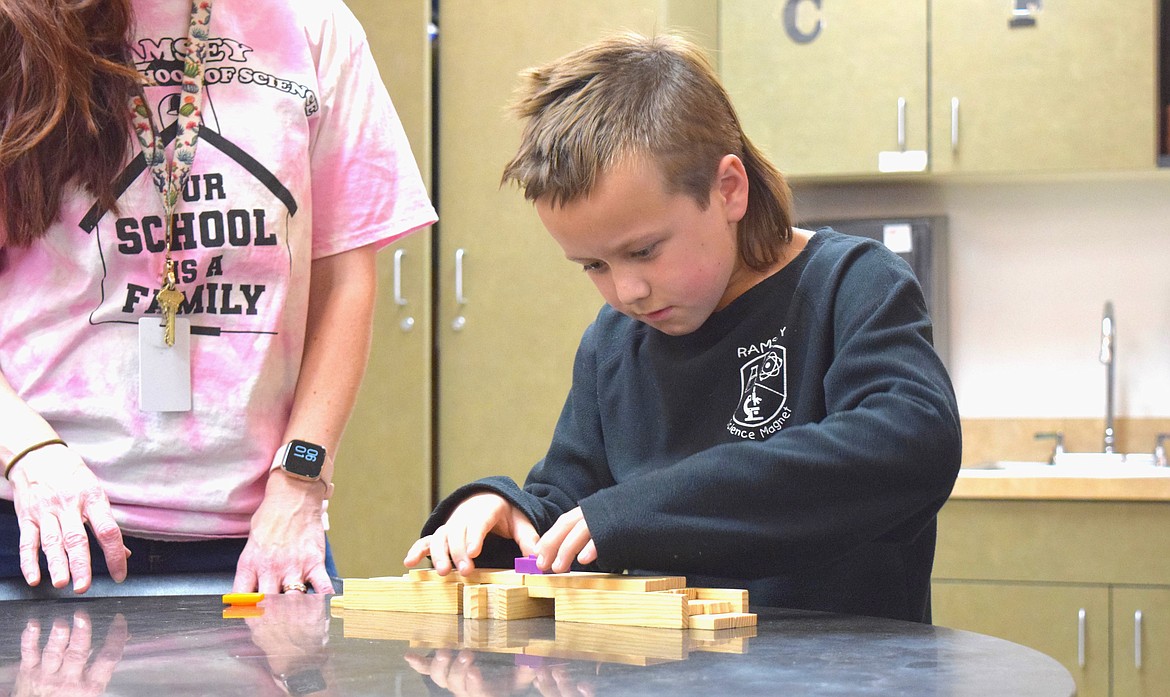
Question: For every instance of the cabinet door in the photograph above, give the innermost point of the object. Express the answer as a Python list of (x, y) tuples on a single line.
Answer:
[(508, 330), (1141, 643), (1068, 623), (818, 86), (384, 462), (1075, 90)]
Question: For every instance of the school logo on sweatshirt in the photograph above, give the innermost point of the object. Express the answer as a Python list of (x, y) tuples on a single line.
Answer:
[(763, 394)]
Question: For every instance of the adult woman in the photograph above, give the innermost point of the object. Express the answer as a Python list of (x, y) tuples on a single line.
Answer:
[(192, 198)]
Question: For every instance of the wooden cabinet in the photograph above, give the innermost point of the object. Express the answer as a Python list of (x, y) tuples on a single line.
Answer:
[(826, 88), (1067, 622), (1141, 641), (384, 461), (511, 309), (1126, 647), (1075, 91), (840, 89), (1065, 578)]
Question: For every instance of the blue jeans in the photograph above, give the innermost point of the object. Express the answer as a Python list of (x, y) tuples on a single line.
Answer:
[(147, 556)]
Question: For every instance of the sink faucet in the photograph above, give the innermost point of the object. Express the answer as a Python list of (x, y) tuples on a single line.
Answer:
[(1109, 358), (1057, 448)]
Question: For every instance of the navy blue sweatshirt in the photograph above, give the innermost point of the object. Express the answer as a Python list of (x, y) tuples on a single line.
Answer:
[(799, 444)]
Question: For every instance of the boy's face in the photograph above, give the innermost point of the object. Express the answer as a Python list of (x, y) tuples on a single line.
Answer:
[(657, 257)]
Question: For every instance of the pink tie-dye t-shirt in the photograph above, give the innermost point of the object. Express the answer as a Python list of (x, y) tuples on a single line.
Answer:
[(301, 156)]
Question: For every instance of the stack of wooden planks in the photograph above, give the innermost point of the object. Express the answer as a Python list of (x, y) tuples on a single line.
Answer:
[(504, 594)]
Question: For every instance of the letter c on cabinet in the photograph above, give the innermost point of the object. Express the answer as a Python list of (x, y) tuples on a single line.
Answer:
[(791, 9)]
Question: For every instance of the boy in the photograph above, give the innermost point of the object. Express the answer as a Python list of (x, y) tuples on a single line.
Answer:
[(756, 406)]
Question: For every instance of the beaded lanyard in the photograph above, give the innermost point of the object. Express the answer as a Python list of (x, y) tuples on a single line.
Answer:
[(171, 176)]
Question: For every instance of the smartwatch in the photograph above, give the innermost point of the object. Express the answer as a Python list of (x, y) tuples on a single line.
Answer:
[(306, 682), (306, 461)]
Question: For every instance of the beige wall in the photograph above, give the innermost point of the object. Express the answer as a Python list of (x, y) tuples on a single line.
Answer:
[(1032, 263)]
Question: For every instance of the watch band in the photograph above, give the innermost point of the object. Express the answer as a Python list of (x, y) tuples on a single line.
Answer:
[(325, 476)]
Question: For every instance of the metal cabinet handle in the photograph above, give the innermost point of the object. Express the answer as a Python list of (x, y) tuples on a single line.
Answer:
[(398, 299), (1024, 13), (459, 297), (460, 300), (954, 124), (407, 322), (1081, 637), (1137, 639), (902, 123)]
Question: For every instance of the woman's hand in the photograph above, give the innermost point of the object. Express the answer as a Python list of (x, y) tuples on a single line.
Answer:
[(568, 539), (68, 663), (286, 546), (457, 542), (457, 672), (55, 494)]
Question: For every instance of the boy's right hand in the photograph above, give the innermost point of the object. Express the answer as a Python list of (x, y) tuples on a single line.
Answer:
[(454, 544)]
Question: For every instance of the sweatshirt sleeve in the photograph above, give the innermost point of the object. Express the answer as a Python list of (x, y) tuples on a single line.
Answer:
[(574, 467), (874, 467)]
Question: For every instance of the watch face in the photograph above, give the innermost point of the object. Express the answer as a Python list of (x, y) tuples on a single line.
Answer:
[(305, 682), (304, 459)]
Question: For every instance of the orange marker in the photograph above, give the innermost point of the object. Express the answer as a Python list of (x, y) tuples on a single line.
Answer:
[(242, 598)]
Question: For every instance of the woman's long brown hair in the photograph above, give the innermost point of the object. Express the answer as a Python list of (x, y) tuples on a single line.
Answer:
[(66, 78)]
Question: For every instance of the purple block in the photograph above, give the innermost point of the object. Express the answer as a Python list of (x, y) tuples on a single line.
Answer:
[(529, 661), (527, 565)]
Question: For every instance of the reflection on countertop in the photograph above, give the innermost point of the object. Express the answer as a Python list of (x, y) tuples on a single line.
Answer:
[(186, 645), (639, 646)]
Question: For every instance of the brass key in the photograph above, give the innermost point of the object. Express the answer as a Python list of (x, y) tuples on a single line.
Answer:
[(169, 300)]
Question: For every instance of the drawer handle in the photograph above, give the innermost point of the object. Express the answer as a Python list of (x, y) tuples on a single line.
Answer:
[(1081, 637), (1137, 639), (954, 125), (902, 124), (407, 322), (398, 299), (460, 321)]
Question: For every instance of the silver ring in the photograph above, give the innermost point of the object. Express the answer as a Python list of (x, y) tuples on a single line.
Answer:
[(298, 587)]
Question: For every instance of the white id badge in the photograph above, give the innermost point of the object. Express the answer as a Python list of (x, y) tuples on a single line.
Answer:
[(164, 372)]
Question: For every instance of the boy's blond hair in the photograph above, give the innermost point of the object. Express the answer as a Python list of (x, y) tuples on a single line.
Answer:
[(628, 96)]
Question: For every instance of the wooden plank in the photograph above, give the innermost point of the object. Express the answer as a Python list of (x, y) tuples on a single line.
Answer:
[(514, 603), (505, 576), (708, 607), (621, 607), (612, 582), (541, 591), (475, 601), (736, 596), (403, 595), (727, 620)]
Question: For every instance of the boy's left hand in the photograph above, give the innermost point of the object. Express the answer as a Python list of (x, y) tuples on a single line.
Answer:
[(567, 539)]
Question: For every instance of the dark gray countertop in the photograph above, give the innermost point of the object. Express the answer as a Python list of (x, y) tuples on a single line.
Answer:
[(183, 645)]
